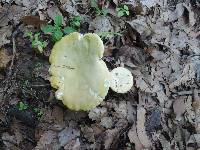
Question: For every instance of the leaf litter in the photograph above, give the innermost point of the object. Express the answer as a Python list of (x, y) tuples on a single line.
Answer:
[(158, 42)]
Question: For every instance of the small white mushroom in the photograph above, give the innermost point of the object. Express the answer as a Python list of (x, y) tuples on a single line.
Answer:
[(121, 80)]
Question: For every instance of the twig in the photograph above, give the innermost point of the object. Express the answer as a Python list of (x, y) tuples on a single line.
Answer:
[(11, 65), (187, 92), (41, 85)]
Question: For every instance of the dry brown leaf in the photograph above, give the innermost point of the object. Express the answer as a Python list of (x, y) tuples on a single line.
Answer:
[(101, 24), (112, 136), (178, 138), (47, 141), (194, 139), (13, 139), (9, 141), (29, 4), (106, 122), (88, 133), (189, 114), (70, 7), (133, 137), (111, 139), (3, 16), (68, 134), (142, 85), (132, 56), (97, 113), (5, 32), (34, 21), (16, 12), (73, 145), (109, 50), (4, 58), (188, 75), (165, 143), (141, 131), (179, 107)]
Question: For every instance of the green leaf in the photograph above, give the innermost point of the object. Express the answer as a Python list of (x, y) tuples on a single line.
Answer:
[(30, 35), (36, 36), (22, 106), (127, 12), (57, 35), (126, 7), (75, 21), (77, 24), (68, 30), (93, 3), (48, 29), (58, 20), (120, 13), (118, 9), (104, 11)]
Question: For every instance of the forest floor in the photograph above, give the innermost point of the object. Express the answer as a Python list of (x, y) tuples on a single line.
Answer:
[(157, 40)]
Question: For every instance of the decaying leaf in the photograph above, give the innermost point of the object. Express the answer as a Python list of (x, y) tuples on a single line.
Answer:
[(101, 24), (112, 135), (141, 130), (73, 145), (133, 137), (179, 107), (68, 134), (97, 113), (34, 21), (5, 33), (70, 7), (140, 83), (4, 58), (47, 140)]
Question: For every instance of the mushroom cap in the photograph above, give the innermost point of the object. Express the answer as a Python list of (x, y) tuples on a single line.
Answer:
[(77, 71), (121, 80)]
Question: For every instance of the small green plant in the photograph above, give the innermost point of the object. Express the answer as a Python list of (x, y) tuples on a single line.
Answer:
[(22, 106), (98, 11), (75, 22), (107, 35), (122, 11), (39, 112), (36, 42), (38, 65), (57, 31)]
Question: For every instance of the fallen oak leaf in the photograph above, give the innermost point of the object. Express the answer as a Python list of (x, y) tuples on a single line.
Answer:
[(34, 21), (141, 131)]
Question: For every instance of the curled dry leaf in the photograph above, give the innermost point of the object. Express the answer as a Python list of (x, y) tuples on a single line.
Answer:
[(133, 137), (141, 130)]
